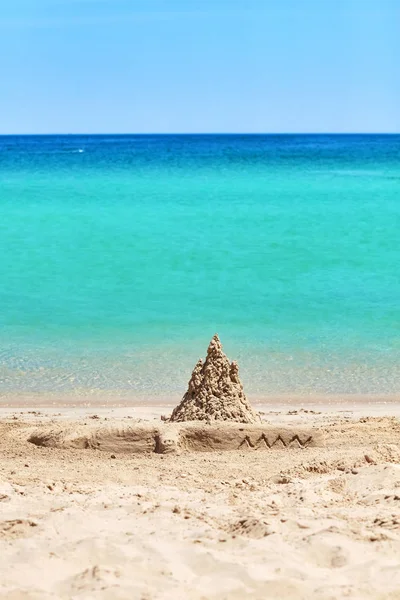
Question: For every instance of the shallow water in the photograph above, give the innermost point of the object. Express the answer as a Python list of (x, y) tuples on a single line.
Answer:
[(122, 255)]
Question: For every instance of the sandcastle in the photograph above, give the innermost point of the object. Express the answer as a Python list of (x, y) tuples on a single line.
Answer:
[(214, 414), (215, 392)]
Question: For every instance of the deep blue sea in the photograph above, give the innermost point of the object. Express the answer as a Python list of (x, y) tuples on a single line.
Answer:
[(121, 255)]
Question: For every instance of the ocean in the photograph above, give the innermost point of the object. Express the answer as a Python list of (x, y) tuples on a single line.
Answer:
[(121, 256)]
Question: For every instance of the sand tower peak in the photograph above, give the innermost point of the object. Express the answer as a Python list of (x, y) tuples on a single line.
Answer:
[(215, 392)]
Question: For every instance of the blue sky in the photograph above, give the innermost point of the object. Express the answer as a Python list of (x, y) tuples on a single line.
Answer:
[(199, 66)]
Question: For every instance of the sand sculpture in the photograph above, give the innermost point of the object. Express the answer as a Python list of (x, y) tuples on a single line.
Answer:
[(215, 392), (214, 414), (174, 438)]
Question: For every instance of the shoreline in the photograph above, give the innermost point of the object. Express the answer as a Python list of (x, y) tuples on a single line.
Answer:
[(275, 410), (109, 399)]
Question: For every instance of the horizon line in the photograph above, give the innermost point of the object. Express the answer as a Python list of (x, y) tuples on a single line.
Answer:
[(206, 133)]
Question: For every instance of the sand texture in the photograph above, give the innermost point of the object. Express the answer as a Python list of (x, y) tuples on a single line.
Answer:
[(215, 392), (80, 521)]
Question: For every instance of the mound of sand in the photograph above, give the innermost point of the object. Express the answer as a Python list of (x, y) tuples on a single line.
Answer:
[(118, 437), (215, 392), (174, 437)]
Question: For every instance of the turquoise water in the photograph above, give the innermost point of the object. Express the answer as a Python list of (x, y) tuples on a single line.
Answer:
[(120, 257)]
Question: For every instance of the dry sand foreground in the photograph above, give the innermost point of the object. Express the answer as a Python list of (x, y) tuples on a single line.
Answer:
[(318, 522)]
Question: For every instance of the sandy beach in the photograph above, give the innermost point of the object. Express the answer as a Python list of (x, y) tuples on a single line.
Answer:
[(315, 522), (180, 179)]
